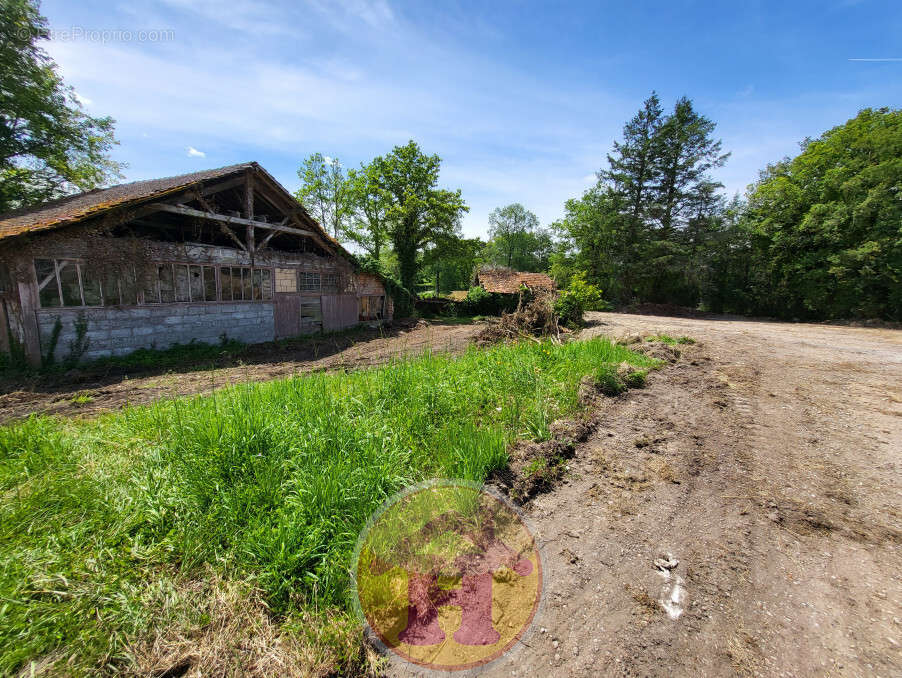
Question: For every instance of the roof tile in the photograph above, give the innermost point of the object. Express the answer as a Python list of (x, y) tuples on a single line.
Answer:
[(506, 281)]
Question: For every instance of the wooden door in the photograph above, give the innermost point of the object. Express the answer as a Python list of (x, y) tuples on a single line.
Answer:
[(339, 311), (347, 310), (287, 315)]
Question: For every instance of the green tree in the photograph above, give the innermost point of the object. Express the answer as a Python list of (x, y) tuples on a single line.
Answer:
[(326, 192), (418, 214), (632, 172), (48, 145), (827, 224), (369, 221), (635, 234), (452, 265), (687, 153), (516, 239), (634, 166), (595, 239)]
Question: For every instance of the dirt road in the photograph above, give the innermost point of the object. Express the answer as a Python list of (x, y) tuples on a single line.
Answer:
[(767, 461)]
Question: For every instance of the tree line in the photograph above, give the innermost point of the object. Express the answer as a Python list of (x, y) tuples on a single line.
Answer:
[(815, 236)]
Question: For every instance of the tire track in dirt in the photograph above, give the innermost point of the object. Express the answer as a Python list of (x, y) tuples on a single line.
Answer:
[(766, 461)]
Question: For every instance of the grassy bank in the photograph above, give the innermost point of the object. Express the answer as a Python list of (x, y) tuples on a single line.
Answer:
[(150, 523)]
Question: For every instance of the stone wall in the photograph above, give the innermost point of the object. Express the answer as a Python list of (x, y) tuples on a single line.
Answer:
[(117, 331)]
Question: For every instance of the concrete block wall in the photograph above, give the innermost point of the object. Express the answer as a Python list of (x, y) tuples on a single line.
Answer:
[(118, 331)]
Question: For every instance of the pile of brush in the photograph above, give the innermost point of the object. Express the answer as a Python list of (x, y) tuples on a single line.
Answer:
[(533, 318)]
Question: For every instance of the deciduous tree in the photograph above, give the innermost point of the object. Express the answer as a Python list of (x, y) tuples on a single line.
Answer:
[(49, 146), (326, 192), (516, 239), (418, 213)]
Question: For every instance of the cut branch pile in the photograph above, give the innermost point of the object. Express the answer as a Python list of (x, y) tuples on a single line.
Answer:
[(533, 318)]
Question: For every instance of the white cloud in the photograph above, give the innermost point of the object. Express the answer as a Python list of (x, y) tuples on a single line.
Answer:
[(83, 100), (194, 153)]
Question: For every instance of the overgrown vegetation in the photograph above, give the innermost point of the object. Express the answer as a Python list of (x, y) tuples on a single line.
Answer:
[(107, 526), (816, 237), (579, 297)]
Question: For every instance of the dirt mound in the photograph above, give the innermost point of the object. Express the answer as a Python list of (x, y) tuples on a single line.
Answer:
[(658, 350), (593, 387), (536, 467), (534, 317)]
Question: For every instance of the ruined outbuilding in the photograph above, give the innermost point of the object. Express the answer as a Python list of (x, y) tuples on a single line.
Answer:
[(221, 254), (501, 280)]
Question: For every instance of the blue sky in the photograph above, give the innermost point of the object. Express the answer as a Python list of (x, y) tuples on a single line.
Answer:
[(521, 100)]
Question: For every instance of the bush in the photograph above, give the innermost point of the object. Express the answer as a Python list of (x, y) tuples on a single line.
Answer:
[(579, 297), (480, 302)]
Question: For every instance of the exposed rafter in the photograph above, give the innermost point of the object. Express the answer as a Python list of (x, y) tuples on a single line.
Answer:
[(226, 219)]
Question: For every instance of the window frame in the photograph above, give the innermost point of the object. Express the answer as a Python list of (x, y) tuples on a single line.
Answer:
[(260, 279)]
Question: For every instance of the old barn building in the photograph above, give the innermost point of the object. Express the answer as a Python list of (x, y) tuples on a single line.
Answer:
[(225, 253)]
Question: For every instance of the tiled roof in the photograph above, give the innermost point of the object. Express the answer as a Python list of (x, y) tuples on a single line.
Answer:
[(506, 281), (74, 208)]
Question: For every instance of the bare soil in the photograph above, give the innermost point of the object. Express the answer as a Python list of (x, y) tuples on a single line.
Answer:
[(90, 392), (761, 471)]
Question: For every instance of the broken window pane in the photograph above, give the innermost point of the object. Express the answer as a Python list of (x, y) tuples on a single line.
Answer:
[(267, 283), (258, 283), (181, 283), (196, 282), (236, 284), (48, 291), (151, 287), (110, 289), (167, 288), (246, 284), (225, 283), (71, 288), (311, 311), (330, 282), (90, 285), (209, 283), (128, 286)]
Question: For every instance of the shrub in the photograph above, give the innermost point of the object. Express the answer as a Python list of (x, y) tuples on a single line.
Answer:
[(579, 297), (480, 302)]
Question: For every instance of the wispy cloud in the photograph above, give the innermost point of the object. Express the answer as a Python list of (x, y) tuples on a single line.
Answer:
[(275, 80)]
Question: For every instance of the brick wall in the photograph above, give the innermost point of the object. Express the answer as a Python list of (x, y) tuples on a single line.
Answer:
[(117, 331)]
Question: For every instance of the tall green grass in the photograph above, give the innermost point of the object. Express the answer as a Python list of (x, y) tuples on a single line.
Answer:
[(268, 483)]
